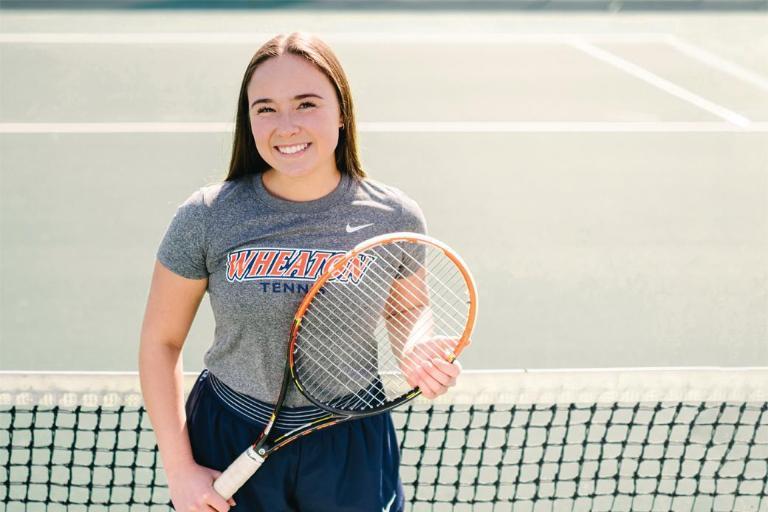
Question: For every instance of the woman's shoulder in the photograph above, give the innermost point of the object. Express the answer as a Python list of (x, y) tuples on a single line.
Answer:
[(379, 191), (214, 195), (410, 216)]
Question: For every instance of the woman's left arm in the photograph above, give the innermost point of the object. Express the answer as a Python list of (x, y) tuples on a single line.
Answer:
[(422, 356)]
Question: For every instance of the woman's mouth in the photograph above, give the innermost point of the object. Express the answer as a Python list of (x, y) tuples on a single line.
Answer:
[(293, 150)]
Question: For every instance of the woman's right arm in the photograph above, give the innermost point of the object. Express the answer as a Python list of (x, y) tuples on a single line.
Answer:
[(172, 304)]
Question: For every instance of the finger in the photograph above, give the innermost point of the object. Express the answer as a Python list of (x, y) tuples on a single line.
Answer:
[(411, 378), (436, 347), (456, 368), (216, 474), (443, 347), (408, 368), (428, 382), (213, 500), (426, 351), (449, 344), (443, 372), (421, 383)]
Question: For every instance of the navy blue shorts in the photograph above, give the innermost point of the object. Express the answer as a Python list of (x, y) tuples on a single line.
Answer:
[(352, 466)]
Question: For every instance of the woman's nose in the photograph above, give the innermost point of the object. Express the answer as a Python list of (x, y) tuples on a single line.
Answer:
[(286, 125)]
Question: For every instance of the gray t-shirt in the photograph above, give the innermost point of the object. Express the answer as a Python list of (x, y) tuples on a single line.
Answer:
[(260, 254)]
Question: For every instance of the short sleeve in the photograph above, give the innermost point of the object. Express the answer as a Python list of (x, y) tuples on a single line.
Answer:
[(183, 247), (412, 218), (413, 257)]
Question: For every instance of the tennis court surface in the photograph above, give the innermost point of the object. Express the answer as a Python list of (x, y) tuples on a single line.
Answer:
[(605, 176)]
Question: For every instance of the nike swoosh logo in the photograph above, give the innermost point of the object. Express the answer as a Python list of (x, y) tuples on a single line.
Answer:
[(388, 505), (351, 229)]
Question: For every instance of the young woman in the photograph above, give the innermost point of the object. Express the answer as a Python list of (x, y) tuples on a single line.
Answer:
[(295, 195)]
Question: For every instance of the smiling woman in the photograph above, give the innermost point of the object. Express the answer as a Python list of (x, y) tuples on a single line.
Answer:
[(292, 112), (295, 136), (294, 202)]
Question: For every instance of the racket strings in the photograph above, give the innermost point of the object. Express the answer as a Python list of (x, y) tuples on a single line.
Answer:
[(333, 397), (316, 378), (420, 310), (444, 261), (367, 321), (331, 325), (449, 287), (370, 319), (334, 325), (345, 344), (411, 334), (448, 313), (321, 313), (423, 305)]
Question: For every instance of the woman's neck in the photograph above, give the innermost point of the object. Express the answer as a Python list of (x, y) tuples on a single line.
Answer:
[(301, 188)]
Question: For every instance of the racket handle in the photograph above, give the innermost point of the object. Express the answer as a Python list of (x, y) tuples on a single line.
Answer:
[(238, 473)]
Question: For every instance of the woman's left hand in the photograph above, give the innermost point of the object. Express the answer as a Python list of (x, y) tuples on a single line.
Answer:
[(435, 376), (424, 367)]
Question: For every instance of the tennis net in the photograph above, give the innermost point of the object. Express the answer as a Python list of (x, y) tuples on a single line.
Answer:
[(611, 439)]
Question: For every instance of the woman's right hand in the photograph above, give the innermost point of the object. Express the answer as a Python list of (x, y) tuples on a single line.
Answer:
[(192, 490)]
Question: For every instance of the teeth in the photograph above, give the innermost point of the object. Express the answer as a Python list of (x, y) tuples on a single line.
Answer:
[(292, 149)]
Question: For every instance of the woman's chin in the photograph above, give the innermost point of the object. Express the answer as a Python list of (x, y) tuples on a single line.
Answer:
[(296, 173)]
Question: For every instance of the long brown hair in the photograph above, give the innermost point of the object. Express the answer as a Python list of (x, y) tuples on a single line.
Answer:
[(245, 157)]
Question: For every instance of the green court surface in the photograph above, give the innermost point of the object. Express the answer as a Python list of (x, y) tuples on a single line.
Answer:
[(605, 175)]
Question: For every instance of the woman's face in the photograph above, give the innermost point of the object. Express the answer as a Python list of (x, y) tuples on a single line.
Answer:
[(295, 116)]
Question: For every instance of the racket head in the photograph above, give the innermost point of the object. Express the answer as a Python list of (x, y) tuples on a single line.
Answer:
[(386, 306)]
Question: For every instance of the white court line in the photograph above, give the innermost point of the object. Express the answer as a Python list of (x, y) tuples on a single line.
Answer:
[(662, 83), (383, 37), (719, 63), (344, 37), (130, 127), (560, 127), (401, 127)]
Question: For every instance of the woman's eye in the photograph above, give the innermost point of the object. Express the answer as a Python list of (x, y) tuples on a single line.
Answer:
[(264, 109)]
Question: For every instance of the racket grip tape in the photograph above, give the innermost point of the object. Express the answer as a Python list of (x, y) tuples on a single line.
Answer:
[(238, 473)]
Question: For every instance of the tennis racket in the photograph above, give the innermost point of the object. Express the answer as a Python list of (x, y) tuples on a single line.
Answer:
[(365, 327)]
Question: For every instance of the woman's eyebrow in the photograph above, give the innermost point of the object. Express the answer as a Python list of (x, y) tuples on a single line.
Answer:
[(297, 97)]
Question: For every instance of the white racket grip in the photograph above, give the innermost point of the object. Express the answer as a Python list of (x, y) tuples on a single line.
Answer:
[(238, 473)]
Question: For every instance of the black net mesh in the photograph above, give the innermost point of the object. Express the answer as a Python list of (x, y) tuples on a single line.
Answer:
[(612, 456)]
